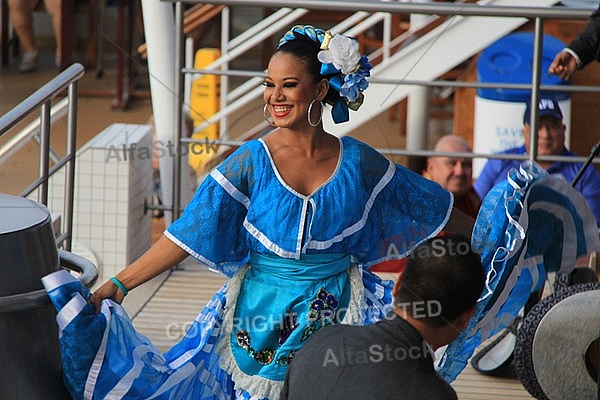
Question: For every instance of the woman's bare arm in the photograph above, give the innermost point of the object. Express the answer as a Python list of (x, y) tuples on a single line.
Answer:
[(164, 254)]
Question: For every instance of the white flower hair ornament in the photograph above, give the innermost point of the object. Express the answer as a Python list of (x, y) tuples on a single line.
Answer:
[(346, 70), (341, 51)]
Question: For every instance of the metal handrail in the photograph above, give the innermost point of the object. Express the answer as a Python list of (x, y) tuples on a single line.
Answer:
[(418, 82), (467, 9), (14, 144), (37, 298), (42, 99), (433, 153), (47, 92)]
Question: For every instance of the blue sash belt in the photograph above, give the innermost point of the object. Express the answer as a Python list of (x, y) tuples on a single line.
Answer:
[(281, 304), (308, 267)]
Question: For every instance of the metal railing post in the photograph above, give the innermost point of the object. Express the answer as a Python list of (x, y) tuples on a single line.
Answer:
[(70, 166), (536, 74), (44, 164), (178, 123)]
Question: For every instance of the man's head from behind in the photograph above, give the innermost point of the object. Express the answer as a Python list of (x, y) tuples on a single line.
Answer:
[(551, 130), (453, 173), (446, 277)]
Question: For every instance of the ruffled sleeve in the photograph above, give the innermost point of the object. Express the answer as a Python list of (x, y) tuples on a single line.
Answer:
[(211, 226), (409, 210)]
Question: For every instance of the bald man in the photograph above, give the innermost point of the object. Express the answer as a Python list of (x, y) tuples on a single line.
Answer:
[(454, 173)]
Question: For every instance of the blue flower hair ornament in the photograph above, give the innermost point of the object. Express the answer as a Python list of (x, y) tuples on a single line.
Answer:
[(341, 63)]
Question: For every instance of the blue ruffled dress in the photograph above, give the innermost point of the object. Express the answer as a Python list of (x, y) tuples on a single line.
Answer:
[(295, 263), (530, 224)]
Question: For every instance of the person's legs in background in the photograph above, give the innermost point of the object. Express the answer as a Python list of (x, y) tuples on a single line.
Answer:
[(53, 8), (21, 14)]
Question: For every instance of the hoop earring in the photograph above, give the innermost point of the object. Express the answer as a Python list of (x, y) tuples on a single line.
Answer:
[(310, 110), (268, 116)]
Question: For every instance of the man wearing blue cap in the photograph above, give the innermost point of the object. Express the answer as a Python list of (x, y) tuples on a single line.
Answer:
[(551, 141)]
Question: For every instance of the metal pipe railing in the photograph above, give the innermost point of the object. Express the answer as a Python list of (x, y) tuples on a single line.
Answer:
[(440, 9), (70, 166), (467, 9), (431, 153), (535, 82), (178, 123), (47, 92), (42, 100), (32, 131), (44, 162), (537, 14), (257, 29)]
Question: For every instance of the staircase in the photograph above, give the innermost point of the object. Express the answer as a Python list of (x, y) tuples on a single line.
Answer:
[(438, 49)]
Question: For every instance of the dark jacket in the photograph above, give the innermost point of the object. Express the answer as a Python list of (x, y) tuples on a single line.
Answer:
[(388, 360), (587, 43)]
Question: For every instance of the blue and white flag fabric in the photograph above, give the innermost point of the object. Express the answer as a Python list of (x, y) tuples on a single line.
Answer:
[(529, 225)]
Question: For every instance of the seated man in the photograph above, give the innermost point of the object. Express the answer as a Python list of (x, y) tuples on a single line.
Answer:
[(551, 141), (433, 303), (455, 174)]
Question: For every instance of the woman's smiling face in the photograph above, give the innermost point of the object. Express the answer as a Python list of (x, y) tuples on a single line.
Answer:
[(289, 90)]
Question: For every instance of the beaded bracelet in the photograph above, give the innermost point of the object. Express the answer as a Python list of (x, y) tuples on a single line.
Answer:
[(119, 285)]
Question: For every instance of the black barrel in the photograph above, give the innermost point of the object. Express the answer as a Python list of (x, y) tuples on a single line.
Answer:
[(30, 361)]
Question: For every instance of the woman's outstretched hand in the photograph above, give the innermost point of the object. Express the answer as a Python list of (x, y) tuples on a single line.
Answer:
[(108, 290)]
